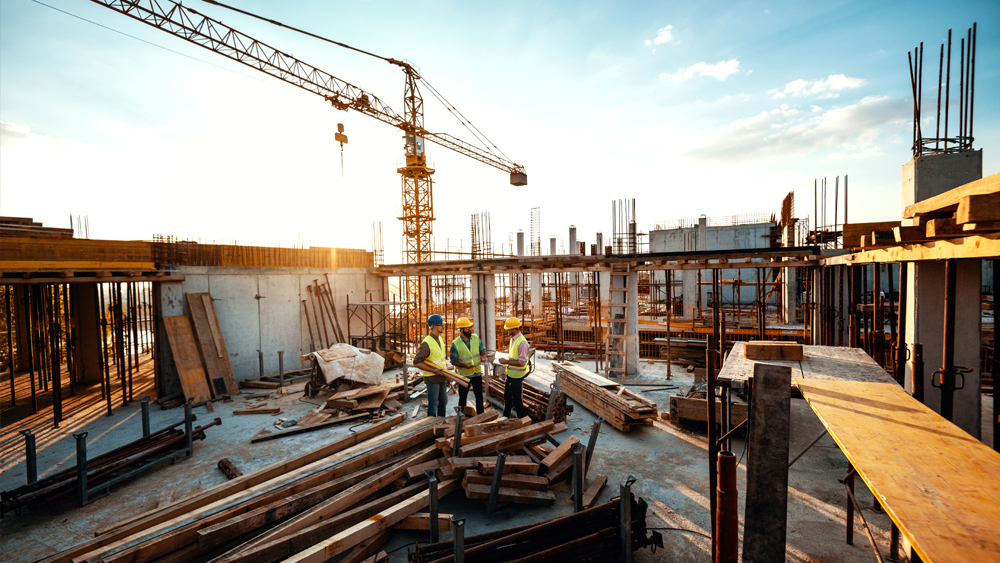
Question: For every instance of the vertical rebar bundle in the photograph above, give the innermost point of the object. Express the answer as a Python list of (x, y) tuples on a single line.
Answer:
[(941, 142)]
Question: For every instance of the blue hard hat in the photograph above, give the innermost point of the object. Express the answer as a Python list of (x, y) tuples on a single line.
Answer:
[(435, 319)]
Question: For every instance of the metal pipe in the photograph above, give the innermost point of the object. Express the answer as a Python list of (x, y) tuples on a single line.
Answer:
[(81, 466), (727, 518), (281, 368), (871, 538), (457, 446), (807, 448), (260, 360), (30, 457), (626, 519), (578, 477), (947, 93), (144, 404), (901, 331), (10, 345), (188, 431), (432, 485), (104, 348), (849, 481), (917, 372), (595, 430), (495, 487), (458, 532)]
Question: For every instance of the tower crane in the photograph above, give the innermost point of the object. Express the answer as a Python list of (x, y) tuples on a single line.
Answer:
[(417, 184)]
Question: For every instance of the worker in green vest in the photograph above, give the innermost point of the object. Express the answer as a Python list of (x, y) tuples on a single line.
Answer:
[(517, 368), (432, 352), (467, 352)]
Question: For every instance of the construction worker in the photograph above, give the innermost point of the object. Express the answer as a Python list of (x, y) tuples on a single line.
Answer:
[(467, 352), (431, 352), (517, 368)]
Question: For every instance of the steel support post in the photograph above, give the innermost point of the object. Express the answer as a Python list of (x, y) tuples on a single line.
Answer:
[(188, 431), (578, 477), (81, 466), (144, 403), (495, 488), (727, 518), (849, 481), (592, 443), (458, 533), (917, 372), (281, 368), (553, 389), (901, 328), (947, 374), (458, 432), (30, 458), (432, 486), (260, 360), (626, 519)]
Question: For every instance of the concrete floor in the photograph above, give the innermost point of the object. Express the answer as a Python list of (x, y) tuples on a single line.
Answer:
[(669, 462)]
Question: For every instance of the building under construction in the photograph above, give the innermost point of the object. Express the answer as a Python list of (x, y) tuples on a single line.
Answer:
[(779, 385)]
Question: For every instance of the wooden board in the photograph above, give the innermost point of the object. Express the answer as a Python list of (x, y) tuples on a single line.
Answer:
[(523, 468), (939, 485), (374, 401), (773, 350), (818, 362), (564, 450), (268, 410), (532, 482), (473, 462), (949, 200), (422, 522), (186, 358), (510, 494), (852, 232), (590, 376), (213, 347), (494, 444), (594, 489)]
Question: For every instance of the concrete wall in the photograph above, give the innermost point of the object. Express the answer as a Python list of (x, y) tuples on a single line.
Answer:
[(261, 309), (703, 237)]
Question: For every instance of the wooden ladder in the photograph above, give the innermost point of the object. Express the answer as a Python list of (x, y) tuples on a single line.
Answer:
[(614, 344)]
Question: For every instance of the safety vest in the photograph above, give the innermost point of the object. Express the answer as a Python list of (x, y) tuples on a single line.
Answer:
[(468, 354), (437, 356), (514, 371)]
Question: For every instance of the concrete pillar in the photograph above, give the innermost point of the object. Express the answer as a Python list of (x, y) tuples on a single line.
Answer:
[(573, 247), (535, 279), (600, 243), (22, 338), (925, 177), (552, 246), (574, 278), (484, 309), (689, 278), (632, 326), (520, 244)]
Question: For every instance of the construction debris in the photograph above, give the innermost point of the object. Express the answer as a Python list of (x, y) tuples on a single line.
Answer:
[(620, 407), (343, 361), (536, 401), (229, 468)]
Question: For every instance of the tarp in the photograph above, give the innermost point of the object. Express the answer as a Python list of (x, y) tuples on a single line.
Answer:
[(343, 361)]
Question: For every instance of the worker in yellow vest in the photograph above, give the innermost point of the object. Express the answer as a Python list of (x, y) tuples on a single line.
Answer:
[(517, 368), (467, 352), (432, 352)]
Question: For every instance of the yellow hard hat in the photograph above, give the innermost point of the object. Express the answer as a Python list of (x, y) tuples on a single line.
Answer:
[(512, 322), (463, 322)]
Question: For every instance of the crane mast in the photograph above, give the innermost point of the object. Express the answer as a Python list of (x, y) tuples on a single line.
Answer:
[(417, 185)]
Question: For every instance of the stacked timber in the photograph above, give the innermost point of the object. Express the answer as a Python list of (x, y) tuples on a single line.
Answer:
[(620, 407), (593, 534), (331, 501), (536, 401), (526, 477)]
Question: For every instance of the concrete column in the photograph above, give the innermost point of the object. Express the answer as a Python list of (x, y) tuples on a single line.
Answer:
[(19, 301), (632, 326), (925, 177), (535, 279), (484, 309), (574, 278), (600, 243), (520, 244), (552, 246), (689, 278)]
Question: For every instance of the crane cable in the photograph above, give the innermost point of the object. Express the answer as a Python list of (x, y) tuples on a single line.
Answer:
[(479, 135)]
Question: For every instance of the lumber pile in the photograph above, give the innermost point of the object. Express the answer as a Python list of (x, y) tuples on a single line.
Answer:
[(536, 401), (333, 500), (526, 477), (619, 406), (593, 534), (28, 227)]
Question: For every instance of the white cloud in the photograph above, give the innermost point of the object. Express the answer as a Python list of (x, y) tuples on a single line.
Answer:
[(663, 35), (865, 153), (720, 70), (742, 97), (824, 89), (786, 131)]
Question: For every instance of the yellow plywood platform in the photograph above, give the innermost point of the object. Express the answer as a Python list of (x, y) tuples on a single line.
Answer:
[(940, 485)]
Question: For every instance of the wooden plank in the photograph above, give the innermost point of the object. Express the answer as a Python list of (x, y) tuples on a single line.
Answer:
[(946, 499), (186, 358), (937, 228), (490, 467), (374, 401), (473, 462), (367, 548), (564, 450), (563, 469), (978, 208), (909, 235), (342, 403), (594, 489), (492, 427), (852, 232), (268, 410), (767, 464), (516, 481), (213, 347), (773, 350), (295, 430), (358, 533), (494, 444), (982, 227), (950, 200), (415, 472), (156, 535), (509, 494), (422, 522)]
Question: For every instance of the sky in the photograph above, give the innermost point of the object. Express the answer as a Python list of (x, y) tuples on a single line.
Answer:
[(690, 108)]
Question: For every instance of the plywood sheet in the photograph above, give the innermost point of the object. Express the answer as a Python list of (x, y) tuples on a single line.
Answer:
[(213, 346), (185, 353), (939, 484)]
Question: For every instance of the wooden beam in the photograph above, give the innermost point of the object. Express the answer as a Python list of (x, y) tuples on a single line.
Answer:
[(949, 200), (564, 450), (768, 350), (367, 548), (510, 494), (594, 489), (422, 522), (490, 467), (267, 410), (976, 246), (358, 533), (938, 228), (496, 444), (979, 208), (516, 481)]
